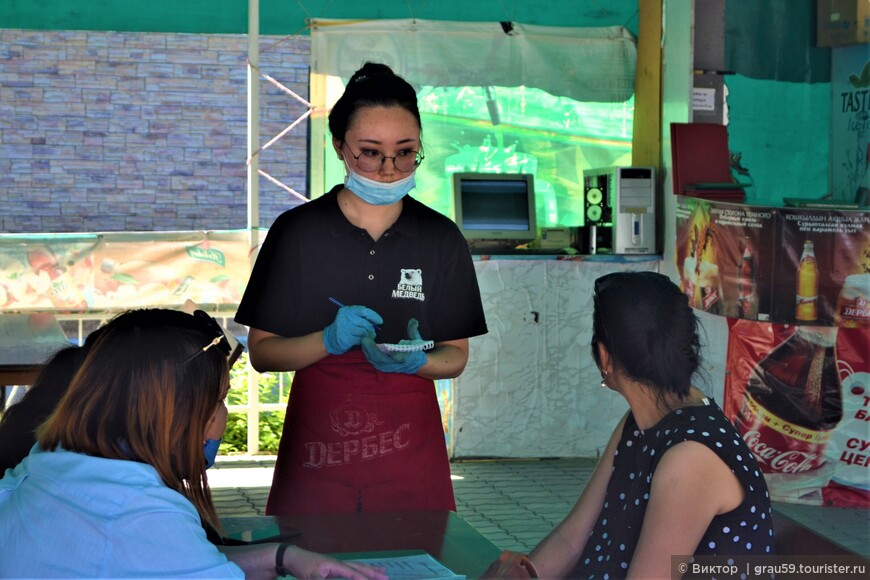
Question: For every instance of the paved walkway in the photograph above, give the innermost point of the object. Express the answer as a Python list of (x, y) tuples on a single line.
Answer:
[(514, 503)]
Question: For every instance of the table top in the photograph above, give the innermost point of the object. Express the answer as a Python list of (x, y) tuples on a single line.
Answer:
[(26, 342), (443, 534)]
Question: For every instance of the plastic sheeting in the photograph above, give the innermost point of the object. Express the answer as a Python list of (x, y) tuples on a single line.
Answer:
[(775, 40), (778, 98), (494, 97), (782, 132), (585, 64)]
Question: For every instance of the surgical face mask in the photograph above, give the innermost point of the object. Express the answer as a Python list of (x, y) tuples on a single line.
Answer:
[(376, 192), (210, 448)]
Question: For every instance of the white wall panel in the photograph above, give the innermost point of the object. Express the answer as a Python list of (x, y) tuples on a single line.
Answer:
[(531, 388)]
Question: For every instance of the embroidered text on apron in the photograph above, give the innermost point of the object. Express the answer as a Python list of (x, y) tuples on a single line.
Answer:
[(356, 439)]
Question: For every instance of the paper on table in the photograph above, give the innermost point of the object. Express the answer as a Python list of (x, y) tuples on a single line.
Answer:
[(416, 567)]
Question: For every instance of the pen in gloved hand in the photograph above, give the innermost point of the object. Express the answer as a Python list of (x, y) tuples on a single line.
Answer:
[(339, 303)]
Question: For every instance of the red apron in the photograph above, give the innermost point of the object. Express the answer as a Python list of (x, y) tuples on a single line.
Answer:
[(356, 439)]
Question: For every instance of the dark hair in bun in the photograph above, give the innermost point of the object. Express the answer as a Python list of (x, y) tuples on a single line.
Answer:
[(372, 85), (649, 329)]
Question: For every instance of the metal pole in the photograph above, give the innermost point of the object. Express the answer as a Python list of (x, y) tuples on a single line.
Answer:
[(253, 196)]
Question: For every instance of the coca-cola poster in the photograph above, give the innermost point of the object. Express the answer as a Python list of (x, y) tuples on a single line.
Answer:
[(799, 396)]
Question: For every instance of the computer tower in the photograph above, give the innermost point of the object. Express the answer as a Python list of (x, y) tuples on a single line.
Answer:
[(620, 210)]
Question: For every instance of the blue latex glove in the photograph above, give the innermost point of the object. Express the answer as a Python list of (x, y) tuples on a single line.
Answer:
[(351, 324), (396, 362)]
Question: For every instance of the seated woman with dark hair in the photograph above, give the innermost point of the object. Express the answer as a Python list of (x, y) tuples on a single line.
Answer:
[(675, 478), (19, 423), (116, 485)]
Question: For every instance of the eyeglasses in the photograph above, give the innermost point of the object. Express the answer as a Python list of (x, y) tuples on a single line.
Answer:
[(371, 160), (211, 326)]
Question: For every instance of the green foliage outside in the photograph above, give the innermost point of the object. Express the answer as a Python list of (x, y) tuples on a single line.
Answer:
[(235, 438)]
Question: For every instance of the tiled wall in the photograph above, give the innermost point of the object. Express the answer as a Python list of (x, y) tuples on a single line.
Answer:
[(110, 131)]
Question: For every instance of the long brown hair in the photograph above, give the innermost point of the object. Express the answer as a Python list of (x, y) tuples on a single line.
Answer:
[(145, 392)]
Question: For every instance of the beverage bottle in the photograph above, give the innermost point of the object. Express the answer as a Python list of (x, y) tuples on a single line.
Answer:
[(63, 292), (806, 303), (747, 296), (708, 279), (793, 401), (690, 264)]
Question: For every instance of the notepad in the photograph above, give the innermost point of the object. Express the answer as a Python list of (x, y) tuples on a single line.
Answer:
[(407, 346)]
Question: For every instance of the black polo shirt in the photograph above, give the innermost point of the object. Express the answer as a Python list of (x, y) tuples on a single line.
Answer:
[(420, 268)]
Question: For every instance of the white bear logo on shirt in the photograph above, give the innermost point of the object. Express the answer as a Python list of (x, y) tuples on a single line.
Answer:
[(412, 277), (410, 285)]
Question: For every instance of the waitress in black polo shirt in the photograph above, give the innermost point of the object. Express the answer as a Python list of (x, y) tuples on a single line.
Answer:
[(363, 430)]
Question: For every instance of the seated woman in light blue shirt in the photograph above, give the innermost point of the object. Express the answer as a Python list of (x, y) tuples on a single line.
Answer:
[(116, 484)]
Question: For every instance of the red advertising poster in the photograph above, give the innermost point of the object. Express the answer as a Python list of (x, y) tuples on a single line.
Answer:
[(785, 265), (800, 398), (795, 285), (817, 252), (725, 256)]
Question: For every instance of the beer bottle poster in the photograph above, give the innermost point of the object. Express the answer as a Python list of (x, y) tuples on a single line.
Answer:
[(785, 265), (816, 253), (724, 256), (799, 396)]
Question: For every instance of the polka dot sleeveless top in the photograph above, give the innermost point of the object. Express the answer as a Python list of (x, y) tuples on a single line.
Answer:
[(748, 529)]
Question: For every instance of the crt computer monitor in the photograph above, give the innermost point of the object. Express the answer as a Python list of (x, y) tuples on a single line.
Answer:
[(496, 208)]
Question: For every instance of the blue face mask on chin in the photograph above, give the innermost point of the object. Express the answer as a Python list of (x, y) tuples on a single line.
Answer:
[(210, 448), (376, 192)]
